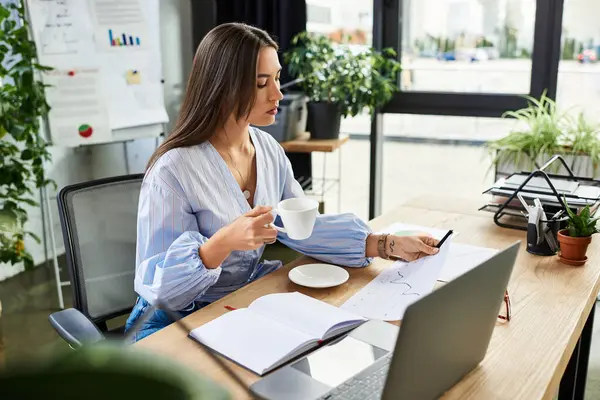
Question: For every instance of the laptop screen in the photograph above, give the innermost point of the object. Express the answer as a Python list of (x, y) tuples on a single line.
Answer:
[(336, 363)]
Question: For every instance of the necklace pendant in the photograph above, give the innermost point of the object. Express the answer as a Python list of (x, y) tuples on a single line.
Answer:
[(247, 194)]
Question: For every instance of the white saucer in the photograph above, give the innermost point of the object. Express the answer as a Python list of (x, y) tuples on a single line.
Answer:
[(318, 275)]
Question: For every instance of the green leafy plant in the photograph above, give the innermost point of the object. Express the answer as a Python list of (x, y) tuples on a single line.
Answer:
[(582, 138), (582, 224), (541, 133), (545, 131), (23, 150), (354, 80), (106, 370)]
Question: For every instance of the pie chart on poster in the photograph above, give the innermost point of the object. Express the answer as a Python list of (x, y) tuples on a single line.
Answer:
[(85, 131)]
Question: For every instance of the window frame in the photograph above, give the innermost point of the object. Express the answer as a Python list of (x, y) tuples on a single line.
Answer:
[(546, 46), (387, 32)]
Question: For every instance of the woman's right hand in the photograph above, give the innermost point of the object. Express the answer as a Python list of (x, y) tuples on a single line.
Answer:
[(251, 230)]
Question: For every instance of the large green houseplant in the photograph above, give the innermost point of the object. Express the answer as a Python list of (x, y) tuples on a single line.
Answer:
[(543, 131), (340, 82), (23, 149)]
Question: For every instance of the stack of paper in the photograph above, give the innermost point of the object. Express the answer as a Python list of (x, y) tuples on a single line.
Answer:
[(540, 183), (461, 257), (388, 295)]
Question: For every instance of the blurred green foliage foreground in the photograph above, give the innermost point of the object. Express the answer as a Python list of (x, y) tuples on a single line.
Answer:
[(106, 371)]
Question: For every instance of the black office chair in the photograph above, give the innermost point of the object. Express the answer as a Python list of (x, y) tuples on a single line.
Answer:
[(98, 220)]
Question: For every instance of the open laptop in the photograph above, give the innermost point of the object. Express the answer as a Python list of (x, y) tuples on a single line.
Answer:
[(443, 336)]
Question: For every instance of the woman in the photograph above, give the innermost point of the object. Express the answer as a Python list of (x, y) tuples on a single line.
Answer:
[(206, 198)]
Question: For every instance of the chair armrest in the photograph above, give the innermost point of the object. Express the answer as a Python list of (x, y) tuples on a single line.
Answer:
[(74, 327)]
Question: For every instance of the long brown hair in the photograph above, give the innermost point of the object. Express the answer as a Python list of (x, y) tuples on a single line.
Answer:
[(222, 81)]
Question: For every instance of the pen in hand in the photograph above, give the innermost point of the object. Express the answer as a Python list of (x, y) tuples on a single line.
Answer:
[(444, 239)]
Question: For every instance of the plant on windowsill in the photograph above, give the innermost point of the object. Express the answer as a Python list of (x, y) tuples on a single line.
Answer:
[(583, 143), (574, 240), (540, 135), (23, 150), (544, 132), (340, 82)]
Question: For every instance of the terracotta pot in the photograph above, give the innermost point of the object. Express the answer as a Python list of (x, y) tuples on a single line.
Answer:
[(573, 249)]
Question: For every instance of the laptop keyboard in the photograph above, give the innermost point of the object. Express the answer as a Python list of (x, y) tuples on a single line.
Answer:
[(363, 386)]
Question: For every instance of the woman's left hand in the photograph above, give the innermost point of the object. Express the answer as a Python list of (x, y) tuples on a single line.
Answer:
[(411, 248)]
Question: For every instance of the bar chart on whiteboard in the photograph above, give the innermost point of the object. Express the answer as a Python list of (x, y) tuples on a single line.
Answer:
[(120, 25), (123, 39), (106, 61)]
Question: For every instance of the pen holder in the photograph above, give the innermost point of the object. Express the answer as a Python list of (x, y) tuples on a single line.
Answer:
[(548, 245)]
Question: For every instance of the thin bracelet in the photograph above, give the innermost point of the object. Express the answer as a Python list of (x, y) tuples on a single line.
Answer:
[(381, 246)]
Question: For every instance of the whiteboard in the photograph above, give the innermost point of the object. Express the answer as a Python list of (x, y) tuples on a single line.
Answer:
[(107, 73)]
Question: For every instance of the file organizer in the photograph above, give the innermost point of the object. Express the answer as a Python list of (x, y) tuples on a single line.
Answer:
[(512, 210)]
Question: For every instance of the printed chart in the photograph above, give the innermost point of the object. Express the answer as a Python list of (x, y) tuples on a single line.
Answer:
[(395, 288)]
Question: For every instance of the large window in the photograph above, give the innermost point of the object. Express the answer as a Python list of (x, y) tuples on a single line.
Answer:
[(413, 168), (340, 19), (481, 46), (579, 67), (469, 57), (436, 127), (464, 58)]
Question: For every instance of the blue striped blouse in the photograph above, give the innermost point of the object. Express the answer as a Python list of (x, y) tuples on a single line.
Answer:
[(190, 193)]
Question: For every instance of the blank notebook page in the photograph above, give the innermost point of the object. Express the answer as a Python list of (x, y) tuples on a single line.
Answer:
[(303, 313), (249, 338)]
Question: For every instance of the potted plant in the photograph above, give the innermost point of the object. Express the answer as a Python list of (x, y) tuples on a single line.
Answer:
[(575, 239), (538, 134), (542, 132), (23, 149), (583, 145), (339, 81)]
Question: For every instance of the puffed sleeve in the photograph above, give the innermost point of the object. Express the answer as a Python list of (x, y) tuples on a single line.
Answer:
[(169, 268), (336, 239)]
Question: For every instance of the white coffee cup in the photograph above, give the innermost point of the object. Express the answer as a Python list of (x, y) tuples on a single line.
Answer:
[(298, 216)]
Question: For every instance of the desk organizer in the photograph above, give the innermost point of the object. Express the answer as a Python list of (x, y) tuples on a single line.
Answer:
[(510, 213)]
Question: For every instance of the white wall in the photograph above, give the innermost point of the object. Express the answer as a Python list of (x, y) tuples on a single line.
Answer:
[(70, 166)]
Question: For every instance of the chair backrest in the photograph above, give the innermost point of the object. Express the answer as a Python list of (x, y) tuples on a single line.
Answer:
[(99, 220)]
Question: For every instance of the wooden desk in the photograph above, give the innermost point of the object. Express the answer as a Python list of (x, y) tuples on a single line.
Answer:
[(526, 357), (304, 144)]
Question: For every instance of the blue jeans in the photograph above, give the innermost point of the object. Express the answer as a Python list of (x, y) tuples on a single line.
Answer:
[(158, 320)]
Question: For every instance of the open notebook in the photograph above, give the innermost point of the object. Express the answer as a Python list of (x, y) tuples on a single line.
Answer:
[(274, 329)]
